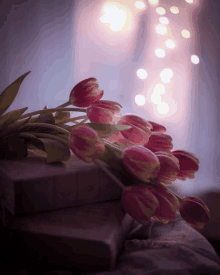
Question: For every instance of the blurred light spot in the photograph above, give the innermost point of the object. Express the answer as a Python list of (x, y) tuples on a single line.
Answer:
[(140, 5), (153, 2), (195, 59), (155, 98), (114, 16), (171, 44), (165, 79), (174, 10), (189, 1), (163, 108), (142, 74), (140, 100), (164, 20), (161, 29), (160, 53), (185, 33), (166, 73), (159, 89), (160, 11)]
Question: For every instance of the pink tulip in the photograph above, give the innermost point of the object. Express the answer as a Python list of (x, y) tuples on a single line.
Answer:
[(139, 202), (85, 93), (194, 211), (140, 162), (159, 142), (120, 140), (86, 144), (157, 127), (168, 204), (189, 164), (104, 111), (140, 131), (169, 167)]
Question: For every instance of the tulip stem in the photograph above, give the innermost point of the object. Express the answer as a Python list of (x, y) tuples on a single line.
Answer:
[(64, 105), (99, 163), (52, 110), (112, 146)]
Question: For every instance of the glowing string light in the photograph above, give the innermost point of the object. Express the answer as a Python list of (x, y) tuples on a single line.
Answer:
[(189, 1), (155, 98), (171, 44), (140, 5), (160, 29), (195, 59), (185, 33), (174, 10), (142, 74), (164, 20), (159, 89), (140, 100), (160, 11), (163, 108), (153, 2), (160, 53)]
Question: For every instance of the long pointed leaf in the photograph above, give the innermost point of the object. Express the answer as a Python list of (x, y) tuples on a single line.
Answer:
[(11, 117), (106, 130), (9, 94)]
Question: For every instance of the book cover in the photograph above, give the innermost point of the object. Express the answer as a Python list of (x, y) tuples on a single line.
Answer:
[(87, 237)]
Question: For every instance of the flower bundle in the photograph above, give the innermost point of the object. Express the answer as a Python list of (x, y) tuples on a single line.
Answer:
[(141, 149)]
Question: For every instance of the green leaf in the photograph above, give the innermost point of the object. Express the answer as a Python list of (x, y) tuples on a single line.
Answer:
[(106, 130), (11, 117), (56, 151), (13, 147), (9, 94), (61, 116)]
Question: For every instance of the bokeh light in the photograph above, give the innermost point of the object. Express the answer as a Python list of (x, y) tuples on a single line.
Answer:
[(164, 20), (155, 98), (160, 11), (161, 29), (189, 1), (174, 10), (171, 44), (159, 89), (166, 73), (140, 100), (163, 108), (153, 2), (185, 33), (165, 79), (160, 53), (142, 74), (115, 16), (195, 59), (140, 5)]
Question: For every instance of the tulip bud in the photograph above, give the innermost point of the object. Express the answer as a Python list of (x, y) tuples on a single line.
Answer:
[(86, 144), (139, 132), (139, 202), (169, 167), (104, 111), (159, 142), (140, 162), (189, 164), (169, 204), (194, 211), (85, 93), (157, 127)]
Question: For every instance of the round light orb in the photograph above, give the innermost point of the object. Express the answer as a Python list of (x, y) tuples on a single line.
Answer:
[(140, 100), (153, 2), (185, 33), (161, 29), (164, 20), (160, 11), (195, 59), (159, 89), (140, 5), (189, 1), (166, 73), (142, 74), (155, 98), (174, 10), (160, 53), (165, 79), (163, 108), (171, 44)]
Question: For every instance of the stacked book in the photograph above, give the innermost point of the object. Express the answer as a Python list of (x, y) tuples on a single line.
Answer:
[(68, 212)]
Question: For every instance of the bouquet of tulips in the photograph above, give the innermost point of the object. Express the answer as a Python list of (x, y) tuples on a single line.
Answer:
[(138, 148)]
